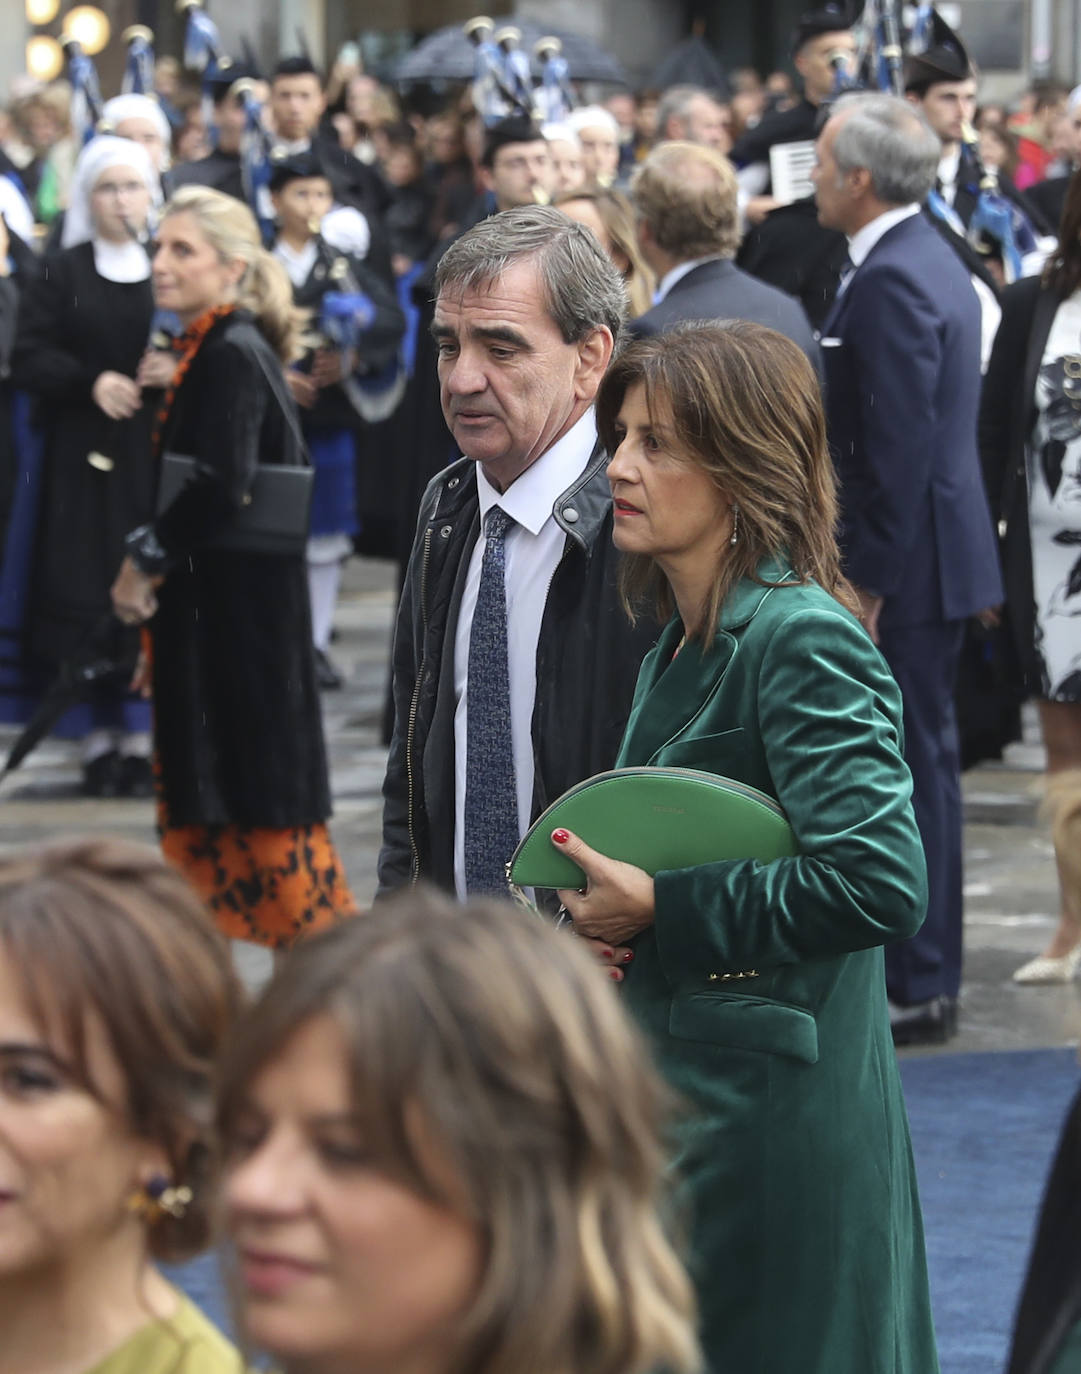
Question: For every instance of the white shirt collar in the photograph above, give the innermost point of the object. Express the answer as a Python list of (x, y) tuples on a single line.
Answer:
[(949, 165), (861, 243), (298, 264), (530, 499), (124, 262), (678, 273)]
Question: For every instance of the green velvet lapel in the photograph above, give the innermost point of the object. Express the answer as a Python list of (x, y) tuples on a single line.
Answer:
[(673, 688)]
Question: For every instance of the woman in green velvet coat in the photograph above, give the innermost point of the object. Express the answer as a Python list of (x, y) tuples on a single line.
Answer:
[(761, 985)]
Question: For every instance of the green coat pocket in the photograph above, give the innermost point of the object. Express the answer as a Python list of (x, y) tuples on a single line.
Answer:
[(731, 1021)]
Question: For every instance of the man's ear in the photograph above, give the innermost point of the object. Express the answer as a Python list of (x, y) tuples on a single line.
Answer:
[(487, 181), (859, 182), (594, 355)]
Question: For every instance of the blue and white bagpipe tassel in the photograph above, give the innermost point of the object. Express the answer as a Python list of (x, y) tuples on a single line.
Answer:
[(255, 164), (202, 42), (202, 50), (346, 312), (86, 101), (997, 218), (343, 318), (139, 68), (555, 97), (922, 29)]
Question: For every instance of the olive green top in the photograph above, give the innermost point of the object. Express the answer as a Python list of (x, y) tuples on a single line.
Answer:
[(186, 1343)]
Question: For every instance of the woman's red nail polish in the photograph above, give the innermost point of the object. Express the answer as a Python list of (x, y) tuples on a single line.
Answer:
[(615, 975), (608, 953), (628, 955), (561, 836)]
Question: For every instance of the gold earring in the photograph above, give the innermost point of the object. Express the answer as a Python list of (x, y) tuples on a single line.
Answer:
[(158, 1197)]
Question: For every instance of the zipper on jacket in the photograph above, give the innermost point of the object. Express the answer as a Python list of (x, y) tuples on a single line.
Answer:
[(414, 867)]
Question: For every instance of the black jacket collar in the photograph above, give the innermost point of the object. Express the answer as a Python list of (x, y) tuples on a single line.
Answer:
[(579, 511)]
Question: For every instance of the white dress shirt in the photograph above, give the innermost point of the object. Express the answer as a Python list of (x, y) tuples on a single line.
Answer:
[(949, 167), (534, 546), (863, 240), (677, 274), (299, 265)]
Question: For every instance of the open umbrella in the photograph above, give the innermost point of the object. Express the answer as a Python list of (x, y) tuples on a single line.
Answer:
[(690, 63), (447, 55)]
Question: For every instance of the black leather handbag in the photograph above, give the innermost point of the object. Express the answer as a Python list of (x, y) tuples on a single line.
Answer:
[(276, 512)]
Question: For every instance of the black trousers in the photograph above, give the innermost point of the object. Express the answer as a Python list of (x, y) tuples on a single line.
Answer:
[(923, 659)]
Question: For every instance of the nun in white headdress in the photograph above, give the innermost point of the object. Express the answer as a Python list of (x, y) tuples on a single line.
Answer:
[(140, 118), (83, 329)]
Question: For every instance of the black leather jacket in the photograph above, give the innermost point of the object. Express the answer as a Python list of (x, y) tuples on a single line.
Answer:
[(588, 657)]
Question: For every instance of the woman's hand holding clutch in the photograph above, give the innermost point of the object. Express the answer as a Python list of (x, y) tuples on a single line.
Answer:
[(617, 903)]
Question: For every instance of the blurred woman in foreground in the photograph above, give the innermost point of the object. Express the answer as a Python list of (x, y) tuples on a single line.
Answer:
[(116, 996), (441, 1155)]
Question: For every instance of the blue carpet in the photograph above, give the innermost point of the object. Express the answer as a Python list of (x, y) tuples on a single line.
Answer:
[(984, 1128)]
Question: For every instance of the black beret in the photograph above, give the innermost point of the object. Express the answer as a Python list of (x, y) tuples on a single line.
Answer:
[(832, 18), (294, 167), (942, 59)]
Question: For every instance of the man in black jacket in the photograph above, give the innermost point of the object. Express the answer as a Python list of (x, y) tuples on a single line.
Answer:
[(527, 311)]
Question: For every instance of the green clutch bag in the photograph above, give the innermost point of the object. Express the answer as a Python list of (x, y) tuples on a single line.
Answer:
[(654, 818)]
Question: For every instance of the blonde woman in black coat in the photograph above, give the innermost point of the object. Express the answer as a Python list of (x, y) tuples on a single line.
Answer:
[(244, 794)]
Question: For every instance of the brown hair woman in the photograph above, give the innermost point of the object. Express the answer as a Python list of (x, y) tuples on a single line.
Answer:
[(243, 792), (442, 1156), (762, 985), (116, 997)]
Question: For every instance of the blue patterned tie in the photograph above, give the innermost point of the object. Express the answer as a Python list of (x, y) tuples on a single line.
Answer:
[(491, 794)]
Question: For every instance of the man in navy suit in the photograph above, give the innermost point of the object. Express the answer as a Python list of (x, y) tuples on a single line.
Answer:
[(901, 352), (685, 196)]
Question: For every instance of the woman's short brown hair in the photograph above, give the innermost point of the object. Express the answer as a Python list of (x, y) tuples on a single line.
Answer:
[(746, 406), (478, 1035), (104, 927)]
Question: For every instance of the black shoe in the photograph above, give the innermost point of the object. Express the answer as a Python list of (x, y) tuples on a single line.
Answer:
[(326, 675), (135, 777), (101, 776), (924, 1023)]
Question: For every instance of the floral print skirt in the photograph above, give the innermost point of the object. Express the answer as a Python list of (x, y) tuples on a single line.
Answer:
[(268, 886)]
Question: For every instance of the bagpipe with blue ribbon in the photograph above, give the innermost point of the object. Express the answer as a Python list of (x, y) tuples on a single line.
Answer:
[(202, 42), (996, 221), (138, 76), (346, 314), (255, 160), (86, 101), (997, 224)]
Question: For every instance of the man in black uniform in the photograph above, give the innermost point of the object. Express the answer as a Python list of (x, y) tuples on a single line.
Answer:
[(785, 245), (941, 83), (297, 103), (221, 169), (822, 44)]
